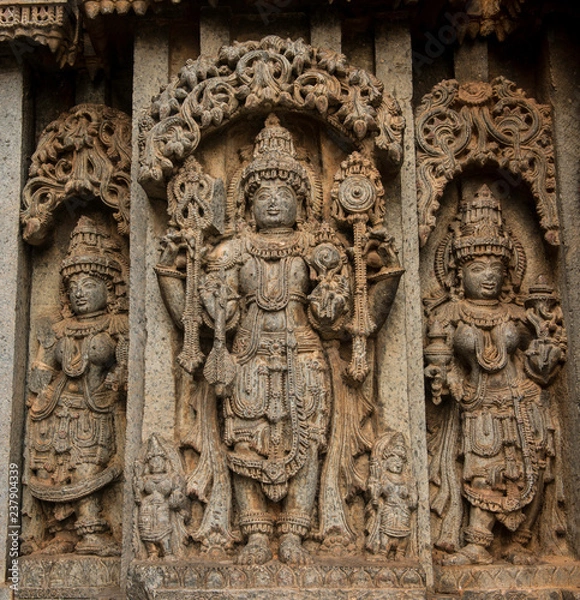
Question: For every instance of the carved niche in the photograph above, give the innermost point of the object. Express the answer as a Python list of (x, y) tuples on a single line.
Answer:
[(75, 426), (495, 338), (279, 278)]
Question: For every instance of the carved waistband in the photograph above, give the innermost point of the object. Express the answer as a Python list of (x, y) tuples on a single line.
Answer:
[(296, 296), (277, 342)]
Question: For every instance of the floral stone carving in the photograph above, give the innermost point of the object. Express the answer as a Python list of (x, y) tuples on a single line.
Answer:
[(271, 295), (82, 156), (75, 429), (484, 125), (487, 17), (491, 357), (261, 76)]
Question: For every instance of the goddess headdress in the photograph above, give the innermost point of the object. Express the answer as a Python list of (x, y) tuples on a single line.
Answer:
[(389, 444), (94, 252), (154, 448), (479, 230)]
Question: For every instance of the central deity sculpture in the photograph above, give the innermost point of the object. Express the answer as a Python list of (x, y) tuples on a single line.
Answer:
[(282, 283)]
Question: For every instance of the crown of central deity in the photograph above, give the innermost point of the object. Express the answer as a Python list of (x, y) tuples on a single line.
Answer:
[(274, 157)]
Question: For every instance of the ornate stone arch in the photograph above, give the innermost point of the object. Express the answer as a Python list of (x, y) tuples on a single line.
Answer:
[(484, 126), (269, 75), (83, 155)]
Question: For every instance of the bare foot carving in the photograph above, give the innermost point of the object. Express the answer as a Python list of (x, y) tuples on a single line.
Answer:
[(291, 550), (256, 552), (519, 555), (62, 543), (472, 554)]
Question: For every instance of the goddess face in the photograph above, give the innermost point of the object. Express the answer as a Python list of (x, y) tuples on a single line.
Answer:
[(483, 278), (87, 294), (274, 205)]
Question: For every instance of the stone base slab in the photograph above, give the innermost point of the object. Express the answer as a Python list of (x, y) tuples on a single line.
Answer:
[(550, 581), (93, 578), (70, 577), (223, 581)]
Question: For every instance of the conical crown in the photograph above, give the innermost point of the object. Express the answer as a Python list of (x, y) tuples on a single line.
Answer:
[(481, 229), (274, 157), (390, 444), (154, 448), (91, 250)]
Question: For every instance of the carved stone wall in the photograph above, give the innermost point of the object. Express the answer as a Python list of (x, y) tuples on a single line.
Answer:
[(291, 296)]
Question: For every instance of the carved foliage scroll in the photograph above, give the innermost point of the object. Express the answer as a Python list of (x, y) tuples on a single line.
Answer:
[(481, 125), (83, 155), (250, 76)]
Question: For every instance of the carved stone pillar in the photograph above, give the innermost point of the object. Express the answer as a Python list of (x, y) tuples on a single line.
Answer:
[(402, 352), (15, 280), (150, 375), (564, 93)]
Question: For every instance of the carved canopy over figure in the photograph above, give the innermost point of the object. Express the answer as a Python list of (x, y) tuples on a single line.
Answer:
[(494, 357), (75, 432), (279, 279)]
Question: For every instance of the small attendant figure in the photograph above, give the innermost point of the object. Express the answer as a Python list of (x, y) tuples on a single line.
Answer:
[(159, 494), (393, 498)]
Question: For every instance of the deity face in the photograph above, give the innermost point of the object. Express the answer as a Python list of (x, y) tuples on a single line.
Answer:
[(483, 278), (157, 464), (274, 205), (87, 294), (394, 463)]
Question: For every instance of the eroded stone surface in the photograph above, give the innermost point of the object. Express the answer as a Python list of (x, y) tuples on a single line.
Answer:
[(277, 443)]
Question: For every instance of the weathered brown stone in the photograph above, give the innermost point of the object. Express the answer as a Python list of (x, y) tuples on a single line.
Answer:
[(305, 180)]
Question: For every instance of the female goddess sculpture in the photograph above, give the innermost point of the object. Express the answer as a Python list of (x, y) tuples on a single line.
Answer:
[(75, 433), (282, 286), (494, 357)]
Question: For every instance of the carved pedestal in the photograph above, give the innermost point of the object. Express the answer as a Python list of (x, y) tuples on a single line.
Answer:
[(343, 580)]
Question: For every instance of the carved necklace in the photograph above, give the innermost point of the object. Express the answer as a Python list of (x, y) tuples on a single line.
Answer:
[(280, 274), (76, 339), (483, 314), (491, 351), (75, 356), (270, 247), (490, 346), (89, 325)]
